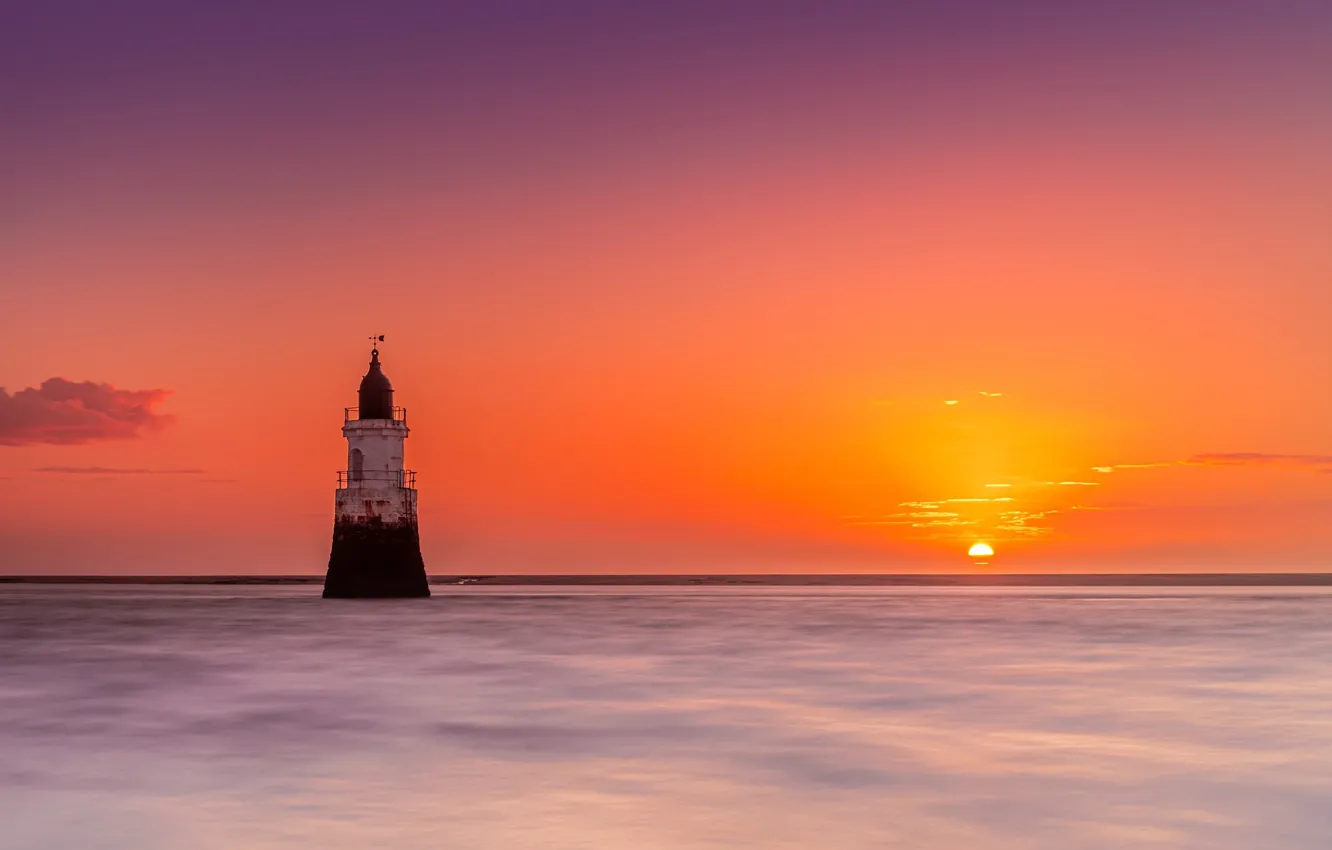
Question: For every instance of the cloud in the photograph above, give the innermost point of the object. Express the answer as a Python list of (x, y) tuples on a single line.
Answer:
[(108, 470), (64, 412), (1316, 463), (1036, 506), (1015, 522), (1113, 467), (918, 519)]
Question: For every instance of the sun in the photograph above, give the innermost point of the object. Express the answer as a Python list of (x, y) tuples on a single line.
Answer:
[(980, 550)]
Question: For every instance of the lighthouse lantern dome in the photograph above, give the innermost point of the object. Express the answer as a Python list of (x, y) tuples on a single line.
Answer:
[(376, 393)]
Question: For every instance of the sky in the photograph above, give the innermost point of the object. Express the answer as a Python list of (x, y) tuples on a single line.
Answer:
[(673, 287)]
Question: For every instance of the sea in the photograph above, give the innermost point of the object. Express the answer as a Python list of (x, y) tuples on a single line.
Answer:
[(225, 717)]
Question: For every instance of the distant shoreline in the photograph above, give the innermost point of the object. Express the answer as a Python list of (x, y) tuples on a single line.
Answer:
[(752, 580)]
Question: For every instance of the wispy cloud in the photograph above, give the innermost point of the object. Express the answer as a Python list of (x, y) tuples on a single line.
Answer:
[(110, 470), (918, 519), (918, 523), (934, 504), (955, 401), (1107, 506), (1035, 505), (65, 412), (1115, 466), (1316, 463), (1016, 522), (950, 518)]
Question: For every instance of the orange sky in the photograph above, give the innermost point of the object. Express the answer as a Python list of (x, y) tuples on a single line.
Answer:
[(646, 325)]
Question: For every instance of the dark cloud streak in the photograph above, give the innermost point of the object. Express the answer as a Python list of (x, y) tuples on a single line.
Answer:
[(104, 470)]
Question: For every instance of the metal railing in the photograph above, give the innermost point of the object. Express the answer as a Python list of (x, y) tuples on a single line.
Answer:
[(353, 414), (404, 478)]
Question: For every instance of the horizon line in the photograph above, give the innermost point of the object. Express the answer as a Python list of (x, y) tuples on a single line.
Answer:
[(1163, 579)]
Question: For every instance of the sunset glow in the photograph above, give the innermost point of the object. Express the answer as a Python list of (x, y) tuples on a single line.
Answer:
[(668, 288)]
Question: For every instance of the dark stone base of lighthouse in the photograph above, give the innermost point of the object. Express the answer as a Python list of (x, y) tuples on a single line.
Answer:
[(375, 560)]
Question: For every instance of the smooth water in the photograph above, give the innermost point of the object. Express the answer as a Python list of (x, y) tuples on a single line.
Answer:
[(224, 717)]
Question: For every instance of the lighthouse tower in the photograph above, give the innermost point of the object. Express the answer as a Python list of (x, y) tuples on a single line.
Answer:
[(376, 548)]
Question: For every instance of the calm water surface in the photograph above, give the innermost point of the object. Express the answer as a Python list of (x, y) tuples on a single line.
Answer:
[(223, 717)]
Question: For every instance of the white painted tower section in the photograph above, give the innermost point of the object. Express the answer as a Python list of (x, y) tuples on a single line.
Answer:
[(375, 485), (374, 448)]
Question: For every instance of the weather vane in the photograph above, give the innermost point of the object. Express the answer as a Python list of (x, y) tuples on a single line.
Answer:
[(375, 341)]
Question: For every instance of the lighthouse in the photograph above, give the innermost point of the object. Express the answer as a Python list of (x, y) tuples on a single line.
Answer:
[(376, 547)]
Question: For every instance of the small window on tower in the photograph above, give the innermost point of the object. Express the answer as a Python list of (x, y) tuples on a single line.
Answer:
[(357, 464)]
